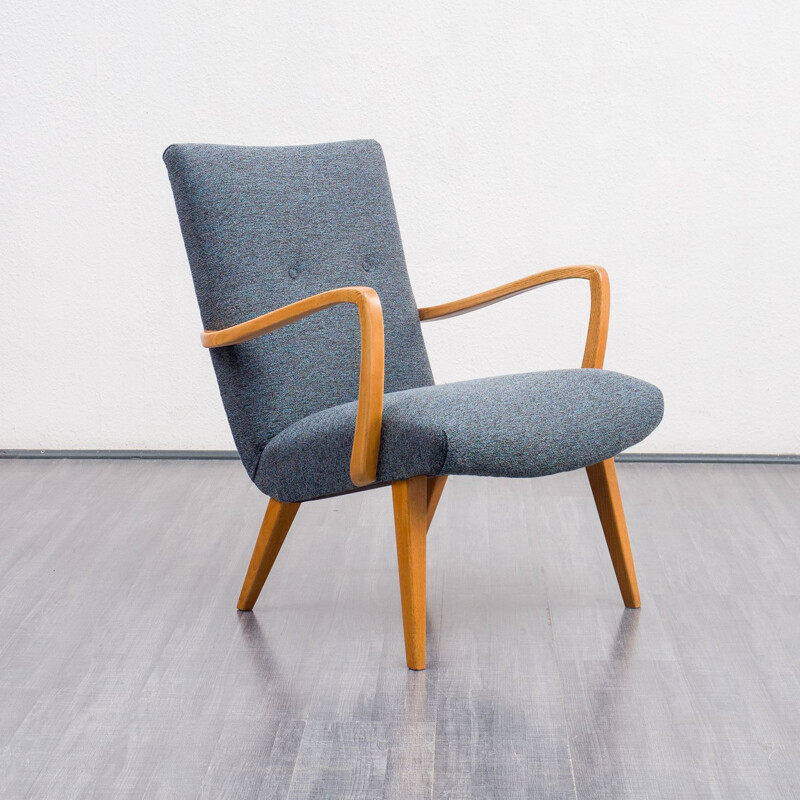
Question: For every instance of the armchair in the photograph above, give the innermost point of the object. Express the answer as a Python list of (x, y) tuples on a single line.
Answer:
[(279, 241)]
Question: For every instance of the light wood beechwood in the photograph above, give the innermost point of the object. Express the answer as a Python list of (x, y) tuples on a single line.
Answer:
[(367, 440), (415, 500), (277, 521), (411, 528), (595, 349)]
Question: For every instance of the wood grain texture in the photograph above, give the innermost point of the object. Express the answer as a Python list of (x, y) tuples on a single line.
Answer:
[(607, 498), (411, 527), (367, 440), (125, 672), (278, 519), (597, 334)]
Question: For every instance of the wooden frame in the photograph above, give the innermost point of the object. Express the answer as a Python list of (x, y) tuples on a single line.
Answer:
[(596, 336), (277, 521), (415, 500), (602, 476), (410, 500), (367, 439)]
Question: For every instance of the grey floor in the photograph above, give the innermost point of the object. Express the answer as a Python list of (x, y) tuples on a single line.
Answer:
[(125, 670)]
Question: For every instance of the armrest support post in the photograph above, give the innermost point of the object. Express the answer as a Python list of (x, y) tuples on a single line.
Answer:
[(367, 438), (595, 349)]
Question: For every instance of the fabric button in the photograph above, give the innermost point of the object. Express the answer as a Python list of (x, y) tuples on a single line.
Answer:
[(366, 265), (292, 273)]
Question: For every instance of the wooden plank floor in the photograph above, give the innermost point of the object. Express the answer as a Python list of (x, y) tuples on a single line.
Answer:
[(126, 671)]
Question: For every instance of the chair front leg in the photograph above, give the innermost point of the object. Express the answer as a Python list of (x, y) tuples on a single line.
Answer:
[(277, 521), (605, 488), (410, 498)]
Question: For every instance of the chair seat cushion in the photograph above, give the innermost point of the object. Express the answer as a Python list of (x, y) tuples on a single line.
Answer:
[(517, 426)]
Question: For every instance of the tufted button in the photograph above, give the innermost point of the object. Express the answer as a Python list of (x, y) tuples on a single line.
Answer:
[(366, 264), (293, 273)]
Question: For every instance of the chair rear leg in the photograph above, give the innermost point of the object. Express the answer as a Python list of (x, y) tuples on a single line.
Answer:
[(277, 521), (410, 499), (435, 489), (605, 488)]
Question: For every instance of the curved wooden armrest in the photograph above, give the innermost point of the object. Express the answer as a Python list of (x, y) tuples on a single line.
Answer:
[(367, 439), (595, 349)]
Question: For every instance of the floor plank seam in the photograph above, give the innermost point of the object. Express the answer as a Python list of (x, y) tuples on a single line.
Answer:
[(296, 762), (562, 695), (436, 687)]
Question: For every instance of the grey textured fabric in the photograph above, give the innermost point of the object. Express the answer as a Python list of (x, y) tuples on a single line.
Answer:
[(267, 226), (515, 426)]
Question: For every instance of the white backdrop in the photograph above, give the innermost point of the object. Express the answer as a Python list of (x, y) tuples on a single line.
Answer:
[(660, 140)]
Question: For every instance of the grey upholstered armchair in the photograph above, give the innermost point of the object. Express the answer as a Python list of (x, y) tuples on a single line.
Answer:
[(302, 243)]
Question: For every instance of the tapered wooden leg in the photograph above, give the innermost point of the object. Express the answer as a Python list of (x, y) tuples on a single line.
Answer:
[(435, 489), (411, 527), (277, 521), (605, 488)]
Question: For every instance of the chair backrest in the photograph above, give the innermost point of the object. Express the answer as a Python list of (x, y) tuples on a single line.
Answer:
[(267, 226)]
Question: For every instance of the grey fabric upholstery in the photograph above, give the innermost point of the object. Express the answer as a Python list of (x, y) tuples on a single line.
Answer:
[(517, 426), (267, 226)]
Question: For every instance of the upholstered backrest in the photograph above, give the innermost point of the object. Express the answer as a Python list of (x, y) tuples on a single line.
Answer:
[(267, 226)]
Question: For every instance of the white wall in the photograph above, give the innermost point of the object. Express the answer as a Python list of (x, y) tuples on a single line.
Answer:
[(658, 139)]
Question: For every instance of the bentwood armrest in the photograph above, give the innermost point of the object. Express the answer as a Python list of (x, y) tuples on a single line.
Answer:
[(597, 334), (367, 439)]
